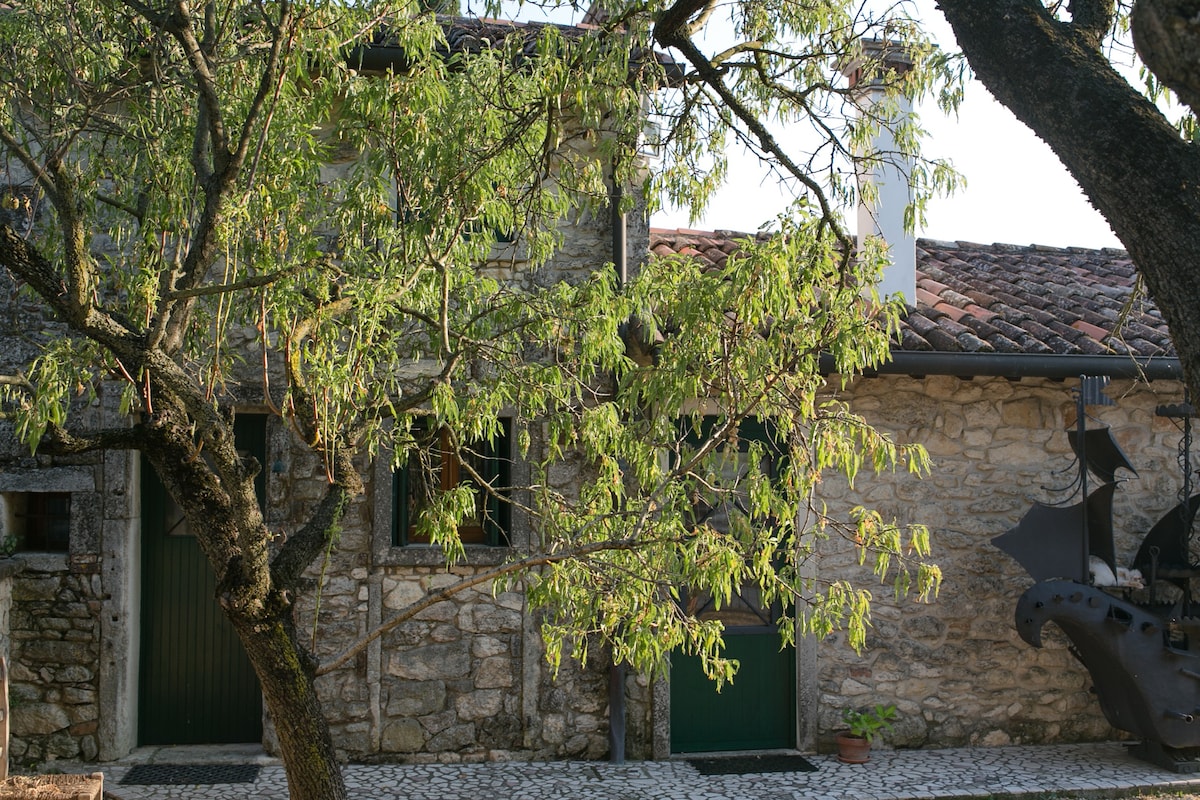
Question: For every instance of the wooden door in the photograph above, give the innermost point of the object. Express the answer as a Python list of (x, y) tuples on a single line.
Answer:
[(196, 685), (758, 710), (755, 712)]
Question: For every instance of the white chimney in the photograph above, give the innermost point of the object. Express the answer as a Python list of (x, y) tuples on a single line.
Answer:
[(888, 170)]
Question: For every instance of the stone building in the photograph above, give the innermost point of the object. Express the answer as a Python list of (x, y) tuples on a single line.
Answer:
[(115, 640), (982, 375)]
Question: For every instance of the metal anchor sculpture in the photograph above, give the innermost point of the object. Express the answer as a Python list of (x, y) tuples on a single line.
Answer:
[(1143, 656)]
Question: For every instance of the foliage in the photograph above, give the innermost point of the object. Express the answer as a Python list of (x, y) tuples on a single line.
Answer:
[(869, 723), (239, 205)]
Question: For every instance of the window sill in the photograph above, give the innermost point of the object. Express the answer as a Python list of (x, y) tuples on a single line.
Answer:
[(424, 555), (42, 562)]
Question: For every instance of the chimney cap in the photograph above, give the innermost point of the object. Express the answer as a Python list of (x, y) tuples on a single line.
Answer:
[(890, 56)]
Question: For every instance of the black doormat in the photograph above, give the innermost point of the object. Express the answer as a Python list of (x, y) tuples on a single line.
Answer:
[(748, 765), (189, 774)]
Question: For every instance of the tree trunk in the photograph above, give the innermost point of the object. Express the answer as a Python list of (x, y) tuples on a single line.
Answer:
[(286, 675), (234, 540), (1130, 162)]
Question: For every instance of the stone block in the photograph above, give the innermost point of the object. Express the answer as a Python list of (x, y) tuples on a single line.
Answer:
[(84, 728), (77, 696), (494, 673), (479, 704), (82, 715), (88, 748), (487, 618), (436, 723), (53, 787), (444, 633), (501, 731), (29, 588), (401, 594), (416, 698), (445, 611), (431, 662), (31, 719), (402, 736), (455, 737), (554, 729), (485, 646), (74, 674)]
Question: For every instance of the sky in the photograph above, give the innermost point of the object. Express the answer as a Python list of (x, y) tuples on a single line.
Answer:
[(1016, 192)]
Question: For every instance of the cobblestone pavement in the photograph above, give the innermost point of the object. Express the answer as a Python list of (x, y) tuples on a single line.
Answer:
[(1093, 769)]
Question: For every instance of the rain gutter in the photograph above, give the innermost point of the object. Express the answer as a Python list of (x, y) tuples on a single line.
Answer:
[(1021, 365)]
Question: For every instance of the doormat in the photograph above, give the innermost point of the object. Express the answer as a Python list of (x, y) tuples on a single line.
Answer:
[(189, 774), (749, 765)]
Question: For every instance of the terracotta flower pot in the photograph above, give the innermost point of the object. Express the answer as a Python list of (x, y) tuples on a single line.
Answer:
[(853, 749)]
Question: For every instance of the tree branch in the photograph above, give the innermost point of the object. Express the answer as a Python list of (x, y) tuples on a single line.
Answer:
[(59, 441), (18, 380), (254, 282), (1166, 34), (1093, 19), (671, 30), (300, 549), (43, 178), (227, 158), (27, 263)]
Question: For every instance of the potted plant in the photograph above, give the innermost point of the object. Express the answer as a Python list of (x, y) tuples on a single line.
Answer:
[(854, 745)]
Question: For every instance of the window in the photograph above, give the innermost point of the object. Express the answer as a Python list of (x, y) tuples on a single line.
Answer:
[(434, 467), (40, 521)]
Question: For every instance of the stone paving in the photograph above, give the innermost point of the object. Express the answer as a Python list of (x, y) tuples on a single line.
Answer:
[(1103, 770)]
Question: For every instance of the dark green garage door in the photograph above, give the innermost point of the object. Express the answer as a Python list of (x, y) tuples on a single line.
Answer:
[(196, 685)]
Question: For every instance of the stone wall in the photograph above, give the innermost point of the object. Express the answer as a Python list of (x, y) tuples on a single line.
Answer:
[(466, 679), (55, 652), (956, 669), (463, 680)]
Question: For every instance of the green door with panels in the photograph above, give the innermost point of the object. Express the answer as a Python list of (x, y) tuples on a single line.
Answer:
[(755, 712), (758, 710), (196, 685)]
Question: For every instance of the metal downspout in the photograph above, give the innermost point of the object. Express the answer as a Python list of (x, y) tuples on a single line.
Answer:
[(620, 247), (616, 672)]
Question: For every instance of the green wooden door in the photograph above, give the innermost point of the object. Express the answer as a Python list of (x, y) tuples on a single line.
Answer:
[(755, 712), (196, 685), (758, 710)]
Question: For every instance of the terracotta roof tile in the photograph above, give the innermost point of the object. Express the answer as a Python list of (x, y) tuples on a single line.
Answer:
[(979, 312), (953, 312), (1003, 344), (925, 297), (1097, 333), (931, 286), (1002, 298), (943, 341), (909, 340)]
